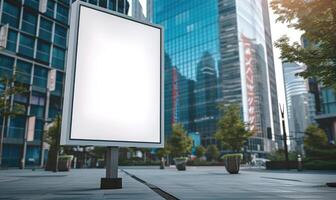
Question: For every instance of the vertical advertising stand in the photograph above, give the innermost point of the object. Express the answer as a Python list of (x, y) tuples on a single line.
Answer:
[(114, 85)]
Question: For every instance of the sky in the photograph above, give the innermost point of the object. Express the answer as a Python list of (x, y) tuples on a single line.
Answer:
[(278, 30)]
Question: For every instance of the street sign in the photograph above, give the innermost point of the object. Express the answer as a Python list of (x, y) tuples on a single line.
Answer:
[(114, 80), (31, 128), (52, 79), (3, 36)]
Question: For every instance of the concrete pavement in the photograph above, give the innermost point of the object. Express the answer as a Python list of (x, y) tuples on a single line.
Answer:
[(150, 182)]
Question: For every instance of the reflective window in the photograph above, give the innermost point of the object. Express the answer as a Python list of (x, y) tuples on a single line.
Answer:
[(10, 14), (40, 76), (32, 3), (58, 58), (29, 21), (50, 8), (23, 70), (45, 29), (11, 40), (60, 35), (6, 65), (62, 13), (26, 46), (43, 51)]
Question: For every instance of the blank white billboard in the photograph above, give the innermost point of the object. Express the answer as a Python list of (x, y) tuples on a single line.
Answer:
[(114, 81)]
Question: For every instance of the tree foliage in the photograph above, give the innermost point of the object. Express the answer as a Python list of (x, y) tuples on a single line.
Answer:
[(163, 151), (200, 151), (231, 130), (316, 145), (315, 137), (53, 132), (317, 19), (11, 88), (180, 143), (212, 152)]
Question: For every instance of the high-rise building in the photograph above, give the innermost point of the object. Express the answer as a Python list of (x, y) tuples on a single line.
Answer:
[(222, 50), (300, 104), (325, 102), (36, 44)]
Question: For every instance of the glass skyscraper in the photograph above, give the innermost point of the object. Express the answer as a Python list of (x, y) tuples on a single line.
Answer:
[(36, 44), (300, 104), (219, 52)]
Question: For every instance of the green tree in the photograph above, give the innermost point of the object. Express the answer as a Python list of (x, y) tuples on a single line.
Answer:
[(200, 151), (317, 19), (316, 145), (231, 130), (180, 143), (315, 137), (212, 152), (10, 88), (163, 152), (52, 138)]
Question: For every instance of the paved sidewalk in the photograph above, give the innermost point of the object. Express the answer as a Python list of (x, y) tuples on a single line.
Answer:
[(216, 183), (76, 184), (195, 183)]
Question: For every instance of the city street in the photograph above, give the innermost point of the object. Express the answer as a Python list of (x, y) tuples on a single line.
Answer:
[(151, 182)]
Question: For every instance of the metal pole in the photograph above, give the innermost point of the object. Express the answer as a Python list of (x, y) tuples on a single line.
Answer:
[(4, 119), (284, 136), (112, 162), (24, 152), (111, 181), (23, 159), (2, 137), (46, 114)]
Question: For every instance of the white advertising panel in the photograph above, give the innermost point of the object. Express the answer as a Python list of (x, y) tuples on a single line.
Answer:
[(114, 80)]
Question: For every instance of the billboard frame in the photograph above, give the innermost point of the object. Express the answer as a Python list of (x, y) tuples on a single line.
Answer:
[(70, 84)]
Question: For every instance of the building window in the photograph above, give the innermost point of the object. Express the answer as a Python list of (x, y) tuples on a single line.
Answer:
[(45, 29), (94, 2), (60, 35), (11, 41), (43, 51), (50, 9), (10, 14), (23, 70), (32, 3), (29, 22), (6, 65), (62, 14), (58, 58), (103, 3), (40, 77), (112, 5), (17, 127), (26, 46)]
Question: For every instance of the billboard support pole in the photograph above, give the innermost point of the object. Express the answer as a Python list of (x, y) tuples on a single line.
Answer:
[(111, 181)]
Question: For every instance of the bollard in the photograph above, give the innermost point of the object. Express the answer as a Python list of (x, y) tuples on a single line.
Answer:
[(162, 161), (299, 159)]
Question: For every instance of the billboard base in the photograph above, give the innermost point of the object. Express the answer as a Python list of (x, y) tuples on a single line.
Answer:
[(110, 183)]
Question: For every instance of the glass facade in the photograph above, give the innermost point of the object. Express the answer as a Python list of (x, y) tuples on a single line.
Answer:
[(37, 43), (216, 52)]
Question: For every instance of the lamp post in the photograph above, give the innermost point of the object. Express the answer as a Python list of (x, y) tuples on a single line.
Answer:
[(284, 135)]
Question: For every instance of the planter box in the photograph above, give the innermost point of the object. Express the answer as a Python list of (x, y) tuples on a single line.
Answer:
[(181, 163), (232, 165), (64, 163)]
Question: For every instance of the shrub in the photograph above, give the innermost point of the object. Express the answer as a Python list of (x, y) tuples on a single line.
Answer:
[(232, 155), (212, 152)]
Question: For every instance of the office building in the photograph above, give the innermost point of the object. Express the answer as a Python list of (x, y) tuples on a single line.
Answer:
[(325, 103), (219, 52), (37, 44), (300, 104)]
